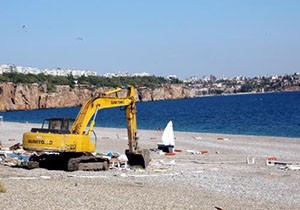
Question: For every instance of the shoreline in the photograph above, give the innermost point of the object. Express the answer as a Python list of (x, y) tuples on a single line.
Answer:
[(38, 125)]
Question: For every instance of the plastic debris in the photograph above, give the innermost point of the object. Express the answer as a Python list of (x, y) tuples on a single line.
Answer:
[(14, 156), (250, 160), (177, 150), (170, 153), (15, 146), (194, 152), (119, 162), (221, 138), (122, 158), (270, 161), (294, 167)]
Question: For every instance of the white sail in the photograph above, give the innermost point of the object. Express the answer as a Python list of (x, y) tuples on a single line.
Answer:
[(168, 135)]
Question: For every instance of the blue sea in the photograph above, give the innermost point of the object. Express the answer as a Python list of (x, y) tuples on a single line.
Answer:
[(271, 114)]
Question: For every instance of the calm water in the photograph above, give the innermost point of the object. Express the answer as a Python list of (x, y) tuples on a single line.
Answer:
[(273, 114)]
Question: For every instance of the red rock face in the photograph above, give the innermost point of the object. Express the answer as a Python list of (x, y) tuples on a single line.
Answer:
[(23, 97), (28, 96), (166, 92)]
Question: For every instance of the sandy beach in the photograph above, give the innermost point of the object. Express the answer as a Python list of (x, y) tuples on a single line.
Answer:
[(220, 178)]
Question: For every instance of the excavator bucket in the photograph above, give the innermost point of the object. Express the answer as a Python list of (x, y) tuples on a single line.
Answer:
[(139, 158)]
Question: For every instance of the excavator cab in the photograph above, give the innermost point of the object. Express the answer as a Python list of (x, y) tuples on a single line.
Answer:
[(55, 125)]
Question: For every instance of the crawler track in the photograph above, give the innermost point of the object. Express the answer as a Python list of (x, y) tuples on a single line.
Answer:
[(88, 163), (68, 162)]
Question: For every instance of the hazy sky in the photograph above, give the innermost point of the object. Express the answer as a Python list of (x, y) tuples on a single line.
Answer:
[(162, 37)]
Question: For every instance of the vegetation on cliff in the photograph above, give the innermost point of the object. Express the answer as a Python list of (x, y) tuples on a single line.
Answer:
[(86, 81), (138, 81)]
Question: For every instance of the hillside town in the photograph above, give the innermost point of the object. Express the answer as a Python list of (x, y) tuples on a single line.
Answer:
[(207, 85), (210, 85), (11, 68)]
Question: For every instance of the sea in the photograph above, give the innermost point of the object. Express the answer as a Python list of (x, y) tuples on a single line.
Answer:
[(268, 114)]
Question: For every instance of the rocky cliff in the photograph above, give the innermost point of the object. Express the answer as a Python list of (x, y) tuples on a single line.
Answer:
[(25, 96)]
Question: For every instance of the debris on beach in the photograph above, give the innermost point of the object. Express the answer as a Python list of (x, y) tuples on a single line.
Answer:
[(194, 152), (116, 160), (270, 161), (221, 138), (177, 150), (15, 146), (203, 152), (14, 155), (170, 153), (119, 162), (250, 160), (293, 167)]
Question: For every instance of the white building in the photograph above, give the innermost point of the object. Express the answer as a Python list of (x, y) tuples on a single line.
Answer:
[(143, 74), (192, 79), (172, 76), (126, 74), (7, 68)]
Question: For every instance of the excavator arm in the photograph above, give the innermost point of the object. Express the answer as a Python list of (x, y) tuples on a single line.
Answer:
[(85, 119)]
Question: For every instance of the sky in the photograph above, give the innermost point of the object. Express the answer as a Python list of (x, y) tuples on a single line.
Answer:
[(161, 37)]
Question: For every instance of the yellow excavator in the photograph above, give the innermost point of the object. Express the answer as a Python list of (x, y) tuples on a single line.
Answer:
[(64, 143)]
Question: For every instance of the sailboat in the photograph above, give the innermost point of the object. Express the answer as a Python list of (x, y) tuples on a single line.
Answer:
[(168, 143)]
